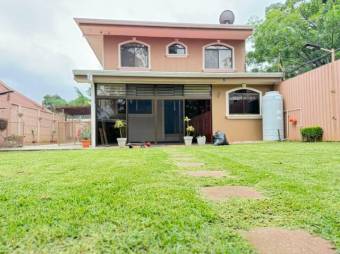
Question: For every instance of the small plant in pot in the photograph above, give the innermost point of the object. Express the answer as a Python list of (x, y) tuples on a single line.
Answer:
[(120, 124), (189, 131), (85, 138), (201, 140)]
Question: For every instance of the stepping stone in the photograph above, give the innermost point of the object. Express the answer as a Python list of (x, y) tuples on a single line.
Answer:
[(221, 193), (189, 164), (283, 241), (181, 156), (215, 174), (184, 159)]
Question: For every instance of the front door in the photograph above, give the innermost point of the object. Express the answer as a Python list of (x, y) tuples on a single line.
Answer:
[(173, 120)]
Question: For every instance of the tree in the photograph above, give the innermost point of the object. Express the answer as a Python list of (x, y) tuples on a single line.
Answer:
[(53, 101), (81, 100), (278, 41)]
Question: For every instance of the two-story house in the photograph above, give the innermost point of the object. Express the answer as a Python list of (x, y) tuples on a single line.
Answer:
[(154, 74)]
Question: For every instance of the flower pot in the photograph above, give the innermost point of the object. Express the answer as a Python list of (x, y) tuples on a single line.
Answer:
[(86, 143), (188, 140), (121, 142), (201, 140)]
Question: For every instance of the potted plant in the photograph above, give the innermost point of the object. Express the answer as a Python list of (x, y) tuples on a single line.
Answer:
[(14, 141), (85, 138), (201, 140), (120, 125), (189, 130)]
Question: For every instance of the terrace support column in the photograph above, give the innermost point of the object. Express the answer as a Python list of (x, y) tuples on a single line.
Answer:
[(93, 115)]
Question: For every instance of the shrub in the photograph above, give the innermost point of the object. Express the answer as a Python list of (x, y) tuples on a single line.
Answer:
[(312, 134), (85, 134)]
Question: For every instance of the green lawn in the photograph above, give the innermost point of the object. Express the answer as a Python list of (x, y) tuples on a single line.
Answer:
[(136, 201)]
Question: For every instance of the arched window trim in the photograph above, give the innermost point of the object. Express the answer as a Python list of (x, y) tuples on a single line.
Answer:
[(134, 68), (243, 116), (222, 69), (174, 55)]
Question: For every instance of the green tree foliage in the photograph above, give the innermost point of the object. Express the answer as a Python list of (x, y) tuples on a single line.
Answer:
[(81, 99), (278, 41), (53, 101)]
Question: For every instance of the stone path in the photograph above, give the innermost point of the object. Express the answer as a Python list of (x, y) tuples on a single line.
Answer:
[(221, 193), (189, 164), (264, 240), (283, 241), (214, 174)]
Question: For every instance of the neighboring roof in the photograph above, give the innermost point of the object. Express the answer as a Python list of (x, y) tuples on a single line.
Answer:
[(160, 24), (74, 110), (88, 76), (19, 98)]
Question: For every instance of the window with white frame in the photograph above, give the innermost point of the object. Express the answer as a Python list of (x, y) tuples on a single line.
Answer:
[(134, 54), (218, 57), (176, 49), (244, 102)]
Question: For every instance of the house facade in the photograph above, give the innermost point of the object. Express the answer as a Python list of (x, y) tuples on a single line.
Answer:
[(154, 74)]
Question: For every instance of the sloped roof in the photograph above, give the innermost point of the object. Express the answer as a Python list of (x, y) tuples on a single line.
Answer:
[(20, 99)]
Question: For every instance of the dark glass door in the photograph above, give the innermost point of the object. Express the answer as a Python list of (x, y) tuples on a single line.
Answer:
[(173, 117)]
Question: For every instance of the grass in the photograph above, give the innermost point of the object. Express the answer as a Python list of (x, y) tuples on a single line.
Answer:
[(135, 201)]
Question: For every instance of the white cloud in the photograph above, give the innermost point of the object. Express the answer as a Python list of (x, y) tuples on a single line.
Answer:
[(40, 44)]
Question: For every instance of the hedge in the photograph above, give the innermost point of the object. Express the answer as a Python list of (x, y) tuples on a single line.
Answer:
[(312, 134)]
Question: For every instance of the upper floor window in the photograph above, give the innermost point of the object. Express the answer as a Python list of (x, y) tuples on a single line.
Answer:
[(244, 102), (134, 54), (218, 56), (176, 49)]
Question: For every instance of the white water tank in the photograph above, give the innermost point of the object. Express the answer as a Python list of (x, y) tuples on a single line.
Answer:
[(272, 115)]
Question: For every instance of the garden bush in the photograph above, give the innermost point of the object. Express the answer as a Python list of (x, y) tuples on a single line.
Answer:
[(312, 134)]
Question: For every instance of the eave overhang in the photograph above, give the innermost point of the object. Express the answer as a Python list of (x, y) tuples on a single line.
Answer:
[(95, 27), (152, 77)]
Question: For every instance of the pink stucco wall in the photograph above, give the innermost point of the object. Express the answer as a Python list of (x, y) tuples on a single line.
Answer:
[(24, 116), (313, 98), (161, 62)]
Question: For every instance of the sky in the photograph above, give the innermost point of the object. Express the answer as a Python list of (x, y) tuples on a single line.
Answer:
[(40, 44)]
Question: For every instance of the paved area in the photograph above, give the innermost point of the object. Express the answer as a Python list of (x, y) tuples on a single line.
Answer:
[(189, 164), (44, 147), (283, 241), (221, 193), (213, 174)]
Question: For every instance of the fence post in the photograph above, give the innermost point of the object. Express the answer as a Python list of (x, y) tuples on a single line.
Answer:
[(19, 119), (38, 127)]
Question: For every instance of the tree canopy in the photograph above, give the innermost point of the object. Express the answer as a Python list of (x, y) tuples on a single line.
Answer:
[(53, 101), (278, 41)]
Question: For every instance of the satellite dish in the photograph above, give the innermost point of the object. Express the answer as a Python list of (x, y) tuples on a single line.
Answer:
[(227, 17)]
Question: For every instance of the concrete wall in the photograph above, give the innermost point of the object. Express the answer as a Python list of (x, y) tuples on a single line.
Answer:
[(313, 98), (237, 130), (160, 62)]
